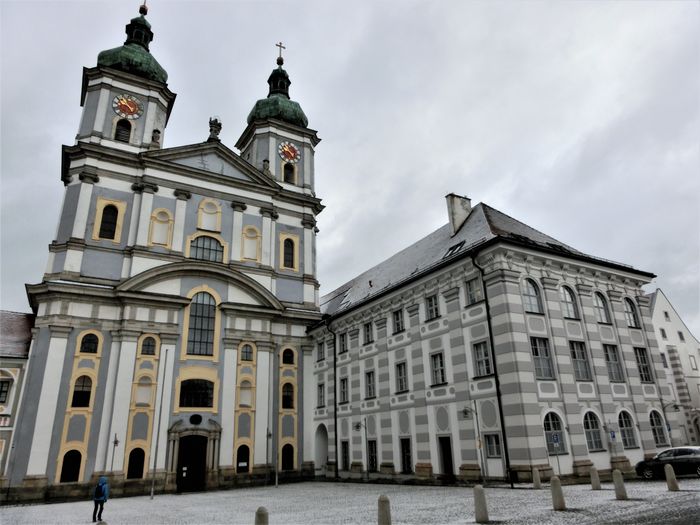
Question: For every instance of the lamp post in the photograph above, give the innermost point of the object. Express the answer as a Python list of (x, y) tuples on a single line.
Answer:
[(467, 412), (676, 406), (160, 414), (115, 443), (358, 426)]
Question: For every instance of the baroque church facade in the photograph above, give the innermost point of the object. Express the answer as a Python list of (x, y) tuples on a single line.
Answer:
[(180, 338)]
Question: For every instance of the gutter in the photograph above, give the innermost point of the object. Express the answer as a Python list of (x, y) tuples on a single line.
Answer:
[(327, 319)]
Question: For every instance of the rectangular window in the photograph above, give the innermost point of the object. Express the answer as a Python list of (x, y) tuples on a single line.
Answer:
[(4, 391), (345, 455), (582, 368), (369, 333), (666, 316), (693, 362), (343, 343), (401, 378), (663, 334), (343, 390), (321, 395), (482, 359), (612, 360), (681, 336), (542, 358), (493, 445), (406, 458), (645, 373), (437, 369), (369, 384), (664, 361), (474, 294), (321, 352), (372, 455), (432, 309), (398, 321)]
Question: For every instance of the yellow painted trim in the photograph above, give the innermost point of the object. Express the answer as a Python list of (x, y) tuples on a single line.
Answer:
[(197, 372), (295, 238), (154, 220), (258, 243), (186, 327), (224, 244), (99, 208), (201, 212), (74, 445), (250, 410), (284, 412), (145, 446), (252, 362), (140, 342)]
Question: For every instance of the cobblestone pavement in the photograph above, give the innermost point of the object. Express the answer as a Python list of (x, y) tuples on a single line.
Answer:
[(355, 503)]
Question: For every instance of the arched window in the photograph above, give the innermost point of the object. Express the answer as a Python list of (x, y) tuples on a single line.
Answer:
[(161, 228), (554, 434), (209, 217), (288, 357), (108, 224), (591, 426), (251, 244), (631, 314), (148, 346), (243, 459), (89, 344), (531, 297), (200, 338), (624, 421), (136, 460), (122, 132), (245, 394), (288, 395), (288, 254), (288, 457), (246, 353), (81, 392), (657, 428), (196, 393), (568, 302), (289, 173), (206, 248), (70, 470), (602, 314)]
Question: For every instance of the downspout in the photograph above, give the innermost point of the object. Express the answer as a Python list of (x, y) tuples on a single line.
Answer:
[(327, 322), (506, 455)]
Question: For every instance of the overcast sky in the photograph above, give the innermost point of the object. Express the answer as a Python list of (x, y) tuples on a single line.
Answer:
[(580, 119)]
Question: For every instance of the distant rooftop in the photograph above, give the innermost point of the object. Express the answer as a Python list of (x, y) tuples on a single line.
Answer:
[(15, 333)]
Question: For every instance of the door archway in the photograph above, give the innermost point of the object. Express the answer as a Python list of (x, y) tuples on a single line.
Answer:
[(288, 457), (136, 459), (321, 456), (70, 470), (192, 463)]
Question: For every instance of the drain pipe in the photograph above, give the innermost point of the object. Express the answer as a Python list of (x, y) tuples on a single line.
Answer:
[(327, 322), (506, 456)]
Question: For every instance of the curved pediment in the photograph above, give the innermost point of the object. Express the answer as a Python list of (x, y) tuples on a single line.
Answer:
[(156, 280)]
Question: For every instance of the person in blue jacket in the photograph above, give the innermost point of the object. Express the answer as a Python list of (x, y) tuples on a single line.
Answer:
[(100, 497)]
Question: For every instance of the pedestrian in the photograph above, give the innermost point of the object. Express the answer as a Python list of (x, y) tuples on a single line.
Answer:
[(100, 497)]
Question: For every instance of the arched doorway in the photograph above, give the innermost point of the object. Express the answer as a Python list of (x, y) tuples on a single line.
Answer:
[(243, 459), (288, 457), (136, 459), (70, 470), (321, 457), (192, 463)]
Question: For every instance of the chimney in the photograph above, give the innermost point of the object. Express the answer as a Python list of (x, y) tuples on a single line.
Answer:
[(458, 209)]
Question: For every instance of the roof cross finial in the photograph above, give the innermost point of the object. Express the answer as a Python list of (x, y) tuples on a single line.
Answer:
[(280, 60)]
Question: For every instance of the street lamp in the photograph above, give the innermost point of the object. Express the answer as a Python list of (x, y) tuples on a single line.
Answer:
[(676, 407), (115, 443), (357, 426), (467, 413)]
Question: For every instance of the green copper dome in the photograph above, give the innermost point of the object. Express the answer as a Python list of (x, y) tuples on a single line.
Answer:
[(134, 56), (278, 104)]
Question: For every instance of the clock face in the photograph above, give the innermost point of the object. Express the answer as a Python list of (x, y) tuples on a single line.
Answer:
[(127, 106), (289, 152)]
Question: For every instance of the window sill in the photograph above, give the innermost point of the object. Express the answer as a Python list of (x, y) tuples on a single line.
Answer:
[(472, 304), (493, 457), (370, 397), (630, 448), (399, 392), (438, 384), (558, 453), (342, 352), (484, 376), (320, 360), (367, 343), (399, 332), (545, 378), (596, 450), (589, 380), (321, 406), (604, 324), (433, 318), (618, 381), (343, 402), (535, 313), (572, 318)]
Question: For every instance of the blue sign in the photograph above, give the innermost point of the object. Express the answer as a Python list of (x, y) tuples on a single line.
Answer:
[(612, 434), (555, 438)]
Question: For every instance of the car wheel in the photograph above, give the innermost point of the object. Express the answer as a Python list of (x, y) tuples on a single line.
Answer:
[(647, 473)]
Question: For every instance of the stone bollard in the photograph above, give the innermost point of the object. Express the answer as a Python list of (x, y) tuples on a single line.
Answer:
[(620, 491), (261, 517), (383, 511), (595, 479), (557, 494), (481, 512), (536, 481), (671, 478)]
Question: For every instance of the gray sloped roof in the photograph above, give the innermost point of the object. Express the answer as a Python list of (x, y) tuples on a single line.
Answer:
[(483, 224), (15, 333)]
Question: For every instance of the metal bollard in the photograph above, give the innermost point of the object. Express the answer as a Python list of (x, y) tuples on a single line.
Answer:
[(536, 481), (671, 478), (558, 502), (383, 511), (595, 479), (620, 491), (481, 511), (261, 517)]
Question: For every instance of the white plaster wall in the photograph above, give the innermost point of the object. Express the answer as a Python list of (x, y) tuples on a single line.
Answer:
[(262, 407), (169, 287), (74, 261), (120, 413), (107, 407), (309, 400), (168, 355), (228, 404)]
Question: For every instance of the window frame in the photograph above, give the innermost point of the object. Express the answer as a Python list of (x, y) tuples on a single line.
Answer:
[(438, 373), (100, 204), (579, 361), (482, 359), (368, 333), (627, 432), (531, 297), (492, 444), (343, 343), (320, 351), (474, 292), (207, 395), (294, 239), (549, 419), (343, 394), (601, 309), (568, 300), (644, 366), (5, 386), (614, 367), (398, 321), (401, 377), (591, 429), (432, 307), (82, 400), (542, 363), (631, 314), (658, 430), (370, 385), (287, 396), (321, 395), (193, 329), (198, 248)]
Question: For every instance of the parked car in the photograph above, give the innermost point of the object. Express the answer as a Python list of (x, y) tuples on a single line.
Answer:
[(684, 460)]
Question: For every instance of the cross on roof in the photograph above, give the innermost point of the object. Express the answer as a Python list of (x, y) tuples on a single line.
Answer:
[(279, 44)]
